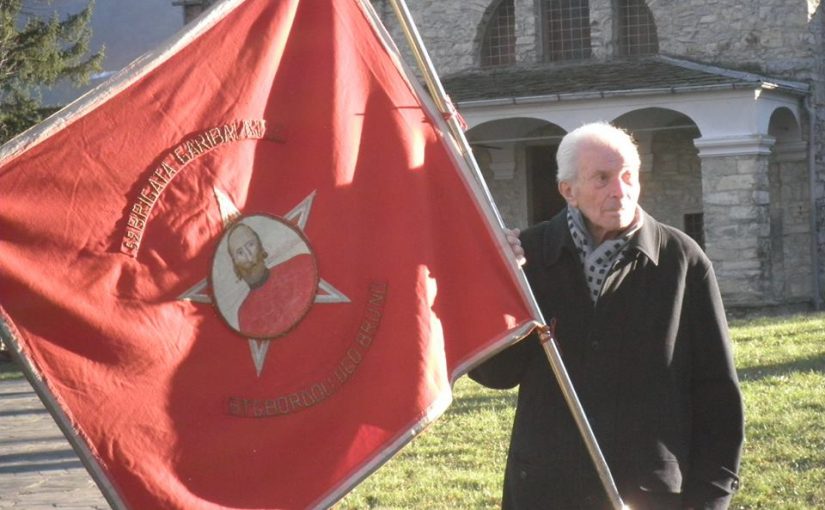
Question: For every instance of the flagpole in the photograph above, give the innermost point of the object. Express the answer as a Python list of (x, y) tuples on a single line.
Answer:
[(548, 341)]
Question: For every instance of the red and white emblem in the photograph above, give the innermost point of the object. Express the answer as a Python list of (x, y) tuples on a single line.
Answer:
[(264, 276)]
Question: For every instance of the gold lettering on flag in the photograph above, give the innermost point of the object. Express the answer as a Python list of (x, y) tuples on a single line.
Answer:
[(318, 391), (173, 162)]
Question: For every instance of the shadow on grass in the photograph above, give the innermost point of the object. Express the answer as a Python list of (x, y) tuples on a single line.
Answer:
[(472, 404), (791, 326), (809, 364)]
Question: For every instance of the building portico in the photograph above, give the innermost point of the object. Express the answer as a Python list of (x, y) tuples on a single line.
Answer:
[(725, 161)]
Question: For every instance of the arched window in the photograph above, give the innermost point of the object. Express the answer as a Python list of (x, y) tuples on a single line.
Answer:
[(566, 29), (498, 47), (637, 30)]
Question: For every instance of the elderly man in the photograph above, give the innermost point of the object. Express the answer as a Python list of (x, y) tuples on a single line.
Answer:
[(642, 331)]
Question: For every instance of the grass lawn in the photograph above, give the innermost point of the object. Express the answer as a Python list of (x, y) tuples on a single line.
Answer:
[(781, 364), (458, 462)]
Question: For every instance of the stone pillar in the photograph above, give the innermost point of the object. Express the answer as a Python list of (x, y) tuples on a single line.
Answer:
[(602, 22), (528, 28), (736, 207)]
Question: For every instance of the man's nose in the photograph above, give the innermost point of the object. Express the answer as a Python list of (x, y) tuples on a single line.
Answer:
[(617, 187)]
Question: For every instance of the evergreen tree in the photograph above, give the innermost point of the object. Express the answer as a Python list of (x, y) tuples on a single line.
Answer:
[(35, 52)]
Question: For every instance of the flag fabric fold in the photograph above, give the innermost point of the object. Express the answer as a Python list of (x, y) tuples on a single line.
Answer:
[(248, 270)]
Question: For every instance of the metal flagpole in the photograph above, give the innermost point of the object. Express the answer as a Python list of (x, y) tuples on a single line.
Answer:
[(548, 341)]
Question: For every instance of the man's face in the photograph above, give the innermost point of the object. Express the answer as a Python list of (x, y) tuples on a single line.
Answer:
[(247, 254), (606, 190)]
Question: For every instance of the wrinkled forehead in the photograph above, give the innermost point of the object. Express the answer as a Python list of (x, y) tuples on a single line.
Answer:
[(610, 152)]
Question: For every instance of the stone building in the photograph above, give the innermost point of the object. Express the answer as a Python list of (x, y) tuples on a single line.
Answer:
[(726, 99), (723, 97)]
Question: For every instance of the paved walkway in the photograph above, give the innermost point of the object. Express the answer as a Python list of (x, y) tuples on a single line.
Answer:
[(38, 468)]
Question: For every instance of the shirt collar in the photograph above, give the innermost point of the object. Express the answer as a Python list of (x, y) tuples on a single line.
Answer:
[(648, 239)]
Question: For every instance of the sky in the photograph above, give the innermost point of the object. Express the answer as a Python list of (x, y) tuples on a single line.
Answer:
[(126, 28)]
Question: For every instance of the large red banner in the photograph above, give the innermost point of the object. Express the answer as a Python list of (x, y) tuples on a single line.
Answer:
[(247, 270)]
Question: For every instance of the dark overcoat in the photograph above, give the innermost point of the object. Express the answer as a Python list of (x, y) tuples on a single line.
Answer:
[(651, 364)]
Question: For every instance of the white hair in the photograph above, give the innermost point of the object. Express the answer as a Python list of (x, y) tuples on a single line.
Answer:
[(567, 156)]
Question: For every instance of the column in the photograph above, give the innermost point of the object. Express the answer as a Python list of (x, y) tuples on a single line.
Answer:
[(736, 206)]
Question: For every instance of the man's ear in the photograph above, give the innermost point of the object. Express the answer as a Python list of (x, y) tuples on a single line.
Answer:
[(566, 190)]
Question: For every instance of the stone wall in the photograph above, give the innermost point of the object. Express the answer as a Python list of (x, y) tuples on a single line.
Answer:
[(602, 29), (817, 29), (452, 31), (193, 8), (790, 231), (771, 36)]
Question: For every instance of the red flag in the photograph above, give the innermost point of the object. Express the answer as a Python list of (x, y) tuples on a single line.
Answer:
[(247, 271)]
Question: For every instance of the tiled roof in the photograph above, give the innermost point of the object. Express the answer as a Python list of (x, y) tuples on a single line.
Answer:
[(649, 74)]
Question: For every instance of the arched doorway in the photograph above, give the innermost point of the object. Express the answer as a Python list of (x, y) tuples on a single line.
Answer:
[(671, 172), (789, 211), (517, 158)]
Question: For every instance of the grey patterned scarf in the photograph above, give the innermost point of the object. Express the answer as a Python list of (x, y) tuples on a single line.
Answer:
[(598, 261)]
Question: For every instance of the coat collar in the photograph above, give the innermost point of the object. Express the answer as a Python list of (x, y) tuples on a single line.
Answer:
[(646, 241)]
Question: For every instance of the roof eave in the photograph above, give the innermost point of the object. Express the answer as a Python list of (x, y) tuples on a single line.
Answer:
[(605, 94)]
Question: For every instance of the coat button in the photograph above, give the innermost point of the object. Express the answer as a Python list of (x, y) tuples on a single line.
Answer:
[(522, 474), (595, 344)]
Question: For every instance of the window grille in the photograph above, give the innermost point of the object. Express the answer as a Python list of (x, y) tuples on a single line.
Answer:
[(499, 43), (637, 30), (566, 29), (695, 227)]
